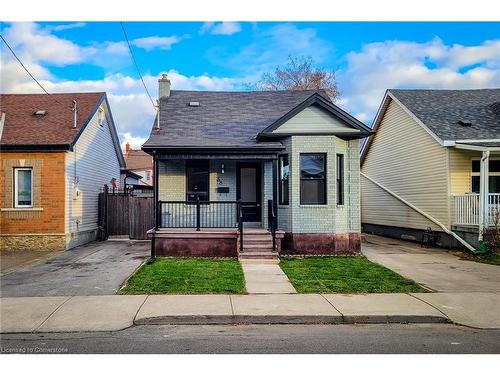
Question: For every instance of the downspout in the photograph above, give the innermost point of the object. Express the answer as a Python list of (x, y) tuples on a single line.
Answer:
[(483, 193), (435, 221)]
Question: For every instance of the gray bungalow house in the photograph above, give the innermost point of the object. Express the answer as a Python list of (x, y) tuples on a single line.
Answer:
[(252, 174)]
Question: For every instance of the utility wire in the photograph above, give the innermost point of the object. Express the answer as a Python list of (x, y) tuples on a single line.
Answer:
[(26, 69), (136, 65)]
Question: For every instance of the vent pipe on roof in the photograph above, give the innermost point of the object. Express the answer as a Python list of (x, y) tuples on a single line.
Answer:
[(75, 110)]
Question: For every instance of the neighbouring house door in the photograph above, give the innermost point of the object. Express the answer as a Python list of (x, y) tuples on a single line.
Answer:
[(248, 189)]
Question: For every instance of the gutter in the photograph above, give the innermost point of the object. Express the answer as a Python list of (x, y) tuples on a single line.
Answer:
[(426, 215)]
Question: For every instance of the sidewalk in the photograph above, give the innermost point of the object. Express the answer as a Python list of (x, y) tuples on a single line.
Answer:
[(114, 312)]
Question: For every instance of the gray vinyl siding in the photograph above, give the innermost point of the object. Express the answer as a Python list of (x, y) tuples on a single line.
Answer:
[(406, 159), (92, 163)]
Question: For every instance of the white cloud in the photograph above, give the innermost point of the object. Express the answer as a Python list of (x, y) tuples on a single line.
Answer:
[(220, 28), (66, 26), (135, 142), (152, 42), (400, 64)]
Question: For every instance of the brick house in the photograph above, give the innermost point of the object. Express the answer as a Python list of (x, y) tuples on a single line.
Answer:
[(141, 164), (254, 173), (57, 151)]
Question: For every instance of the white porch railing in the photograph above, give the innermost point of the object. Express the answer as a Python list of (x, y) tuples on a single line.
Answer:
[(466, 208)]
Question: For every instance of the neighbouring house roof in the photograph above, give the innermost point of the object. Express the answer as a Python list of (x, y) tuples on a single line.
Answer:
[(229, 119), (455, 114), (53, 127), (459, 116), (138, 160)]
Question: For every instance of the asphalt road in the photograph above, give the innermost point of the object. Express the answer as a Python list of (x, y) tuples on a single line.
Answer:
[(381, 338)]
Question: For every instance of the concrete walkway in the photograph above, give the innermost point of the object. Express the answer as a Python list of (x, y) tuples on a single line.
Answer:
[(437, 269), (114, 312), (265, 277)]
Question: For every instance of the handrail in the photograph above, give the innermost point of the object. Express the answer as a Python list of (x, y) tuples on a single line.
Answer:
[(271, 220), (240, 224)]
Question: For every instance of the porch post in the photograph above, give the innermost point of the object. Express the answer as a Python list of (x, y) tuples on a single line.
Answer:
[(484, 193), (275, 189)]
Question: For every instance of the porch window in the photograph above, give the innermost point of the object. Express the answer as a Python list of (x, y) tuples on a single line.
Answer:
[(312, 178), (494, 176), (23, 187), (284, 173), (340, 179), (197, 176)]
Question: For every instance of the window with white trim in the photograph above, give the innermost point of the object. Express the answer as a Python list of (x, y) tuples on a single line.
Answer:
[(23, 187), (100, 117), (493, 178)]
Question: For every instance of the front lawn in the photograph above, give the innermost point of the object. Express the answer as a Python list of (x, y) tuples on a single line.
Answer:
[(187, 276), (354, 274)]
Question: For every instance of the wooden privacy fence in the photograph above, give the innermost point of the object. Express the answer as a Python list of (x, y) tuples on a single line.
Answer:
[(122, 213)]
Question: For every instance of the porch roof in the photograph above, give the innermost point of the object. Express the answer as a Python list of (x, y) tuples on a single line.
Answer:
[(219, 156)]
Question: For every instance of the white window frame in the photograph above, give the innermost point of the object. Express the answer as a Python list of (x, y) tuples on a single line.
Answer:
[(16, 197), (490, 174)]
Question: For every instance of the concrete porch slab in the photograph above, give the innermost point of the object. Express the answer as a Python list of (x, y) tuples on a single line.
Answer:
[(25, 314), (94, 313), (171, 309), (384, 308), (479, 310)]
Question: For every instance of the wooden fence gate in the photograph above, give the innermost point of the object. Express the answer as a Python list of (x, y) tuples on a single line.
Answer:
[(123, 213)]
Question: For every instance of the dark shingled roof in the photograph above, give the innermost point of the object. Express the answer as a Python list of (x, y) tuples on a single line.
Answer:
[(223, 119), (441, 111)]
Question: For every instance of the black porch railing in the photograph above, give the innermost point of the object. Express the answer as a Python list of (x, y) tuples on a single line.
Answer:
[(271, 221), (198, 214)]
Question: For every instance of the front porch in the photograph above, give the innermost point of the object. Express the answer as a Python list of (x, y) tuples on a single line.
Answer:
[(216, 206)]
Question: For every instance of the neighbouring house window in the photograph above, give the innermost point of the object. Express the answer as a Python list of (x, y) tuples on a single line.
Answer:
[(284, 173), (312, 178), (493, 178), (148, 175), (340, 179), (23, 187), (197, 175)]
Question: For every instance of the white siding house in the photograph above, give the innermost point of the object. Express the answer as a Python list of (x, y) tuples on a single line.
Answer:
[(96, 159)]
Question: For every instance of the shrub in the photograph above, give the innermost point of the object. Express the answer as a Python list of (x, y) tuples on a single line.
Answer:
[(491, 235)]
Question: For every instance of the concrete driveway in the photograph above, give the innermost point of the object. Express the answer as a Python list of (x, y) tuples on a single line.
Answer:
[(436, 269), (95, 269)]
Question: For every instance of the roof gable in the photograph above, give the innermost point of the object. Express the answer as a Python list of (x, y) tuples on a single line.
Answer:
[(55, 128), (316, 115)]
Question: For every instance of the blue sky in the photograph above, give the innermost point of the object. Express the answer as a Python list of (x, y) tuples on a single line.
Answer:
[(368, 58)]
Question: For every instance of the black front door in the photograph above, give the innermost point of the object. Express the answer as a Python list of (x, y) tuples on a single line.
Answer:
[(248, 189)]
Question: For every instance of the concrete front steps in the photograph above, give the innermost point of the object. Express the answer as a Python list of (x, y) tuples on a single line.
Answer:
[(257, 244)]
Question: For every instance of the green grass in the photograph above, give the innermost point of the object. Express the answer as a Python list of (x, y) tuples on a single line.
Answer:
[(354, 274), (187, 276)]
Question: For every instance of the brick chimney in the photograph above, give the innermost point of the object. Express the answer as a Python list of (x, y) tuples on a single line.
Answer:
[(163, 86), (127, 149)]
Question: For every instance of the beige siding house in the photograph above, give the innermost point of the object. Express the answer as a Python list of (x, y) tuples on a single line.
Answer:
[(422, 168), (252, 174)]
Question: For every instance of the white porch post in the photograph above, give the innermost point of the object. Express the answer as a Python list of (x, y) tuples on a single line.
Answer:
[(483, 193)]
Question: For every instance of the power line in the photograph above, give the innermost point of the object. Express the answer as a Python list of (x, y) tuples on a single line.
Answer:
[(26, 69), (136, 65)]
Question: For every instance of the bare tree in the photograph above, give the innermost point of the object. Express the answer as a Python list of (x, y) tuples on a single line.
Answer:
[(299, 74)]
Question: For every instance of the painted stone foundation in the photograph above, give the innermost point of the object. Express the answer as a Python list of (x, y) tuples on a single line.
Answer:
[(33, 242), (321, 244), (196, 244)]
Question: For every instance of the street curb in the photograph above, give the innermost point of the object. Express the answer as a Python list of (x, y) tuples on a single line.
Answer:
[(289, 319)]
